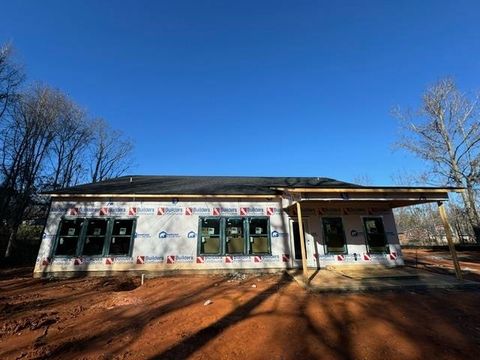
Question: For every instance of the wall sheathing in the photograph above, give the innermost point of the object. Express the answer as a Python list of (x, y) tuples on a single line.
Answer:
[(167, 235)]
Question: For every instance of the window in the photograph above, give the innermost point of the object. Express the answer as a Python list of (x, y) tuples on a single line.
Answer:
[(68, 235), (334, 236), (210, 236), (95, 237), (259, 239), (234, 236), (121, 237), (375, 234)]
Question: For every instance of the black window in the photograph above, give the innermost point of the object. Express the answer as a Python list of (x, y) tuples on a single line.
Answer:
[(122, 236), (375, 235), (334, 235), (210, 238), (68, 235), (259, 236), (234, 236), (95, 237)]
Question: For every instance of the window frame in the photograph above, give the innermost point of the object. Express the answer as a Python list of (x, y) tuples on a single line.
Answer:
[(57, 237), (246, 236), (345, 246), (269, 238), (108, 242), (221, 231), (386, 245), (83, 236)]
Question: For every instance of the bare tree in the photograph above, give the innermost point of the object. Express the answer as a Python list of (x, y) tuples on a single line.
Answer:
[(110, 152), (445, 131), (11, 76), (26, 142), (73, 135)]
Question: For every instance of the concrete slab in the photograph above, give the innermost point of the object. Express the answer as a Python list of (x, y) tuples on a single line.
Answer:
[(333, 279)]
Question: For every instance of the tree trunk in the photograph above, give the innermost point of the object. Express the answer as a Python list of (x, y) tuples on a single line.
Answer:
[(472, 214), (11, 242)]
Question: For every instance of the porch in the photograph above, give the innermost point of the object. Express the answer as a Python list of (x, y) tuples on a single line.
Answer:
[(369, 204)]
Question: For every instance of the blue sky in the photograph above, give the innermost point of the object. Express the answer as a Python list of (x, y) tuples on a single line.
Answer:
[(277, 88)]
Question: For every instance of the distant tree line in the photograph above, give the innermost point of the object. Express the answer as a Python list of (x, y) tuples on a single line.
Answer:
[(47, 142)]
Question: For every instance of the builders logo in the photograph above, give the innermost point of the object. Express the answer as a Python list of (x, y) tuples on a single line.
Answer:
[(270, 258), (173, 259), (244, 211), (273, 211), (59, 209), (165, 235), (209, 259), (153, 259), (48, 236), (192, 235), (92, 260), (224, 211), (124, 260), (133, 211), (145, 211), (117, 210), (237, 259), (276, 234), (62, 261), (197, 211), (169, 211), (74, 211), (89, 210)]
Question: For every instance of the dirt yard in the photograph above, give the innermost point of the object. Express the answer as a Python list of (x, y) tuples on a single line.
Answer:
[(259, 317), (441, 261)]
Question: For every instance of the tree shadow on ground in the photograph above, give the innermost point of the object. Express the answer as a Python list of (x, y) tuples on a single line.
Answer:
[(192, 343)]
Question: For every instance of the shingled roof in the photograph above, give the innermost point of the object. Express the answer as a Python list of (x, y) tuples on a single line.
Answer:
[(202, 185)]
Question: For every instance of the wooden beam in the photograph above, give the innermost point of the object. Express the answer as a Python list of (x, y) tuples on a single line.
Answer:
[(302, 241), (448, 233), (371, 190)]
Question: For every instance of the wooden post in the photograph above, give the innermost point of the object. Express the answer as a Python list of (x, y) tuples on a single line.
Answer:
[(448, 233), (302, 240)]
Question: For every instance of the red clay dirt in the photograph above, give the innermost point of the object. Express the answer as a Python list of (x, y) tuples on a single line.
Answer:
[(441, 261), (115, 318)]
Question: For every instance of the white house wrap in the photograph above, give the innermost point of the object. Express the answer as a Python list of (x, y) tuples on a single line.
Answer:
[(163, 223)]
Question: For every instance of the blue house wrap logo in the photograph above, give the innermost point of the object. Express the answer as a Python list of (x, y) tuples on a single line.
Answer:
[(191, 235), (164, 235), (276, 234)]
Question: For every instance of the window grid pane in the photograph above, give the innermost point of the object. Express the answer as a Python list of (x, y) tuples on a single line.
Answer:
[(334, 235), (258, 231), (210, 236), (95, 237), (69, 234)]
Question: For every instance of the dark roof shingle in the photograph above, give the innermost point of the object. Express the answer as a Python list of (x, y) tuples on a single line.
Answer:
[(202, 185)]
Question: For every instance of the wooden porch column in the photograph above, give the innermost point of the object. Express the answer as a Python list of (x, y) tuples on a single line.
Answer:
[(302, 240), (448, 233)]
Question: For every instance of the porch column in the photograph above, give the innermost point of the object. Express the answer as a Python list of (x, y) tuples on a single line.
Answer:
[(448, 233), (302, 240)]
